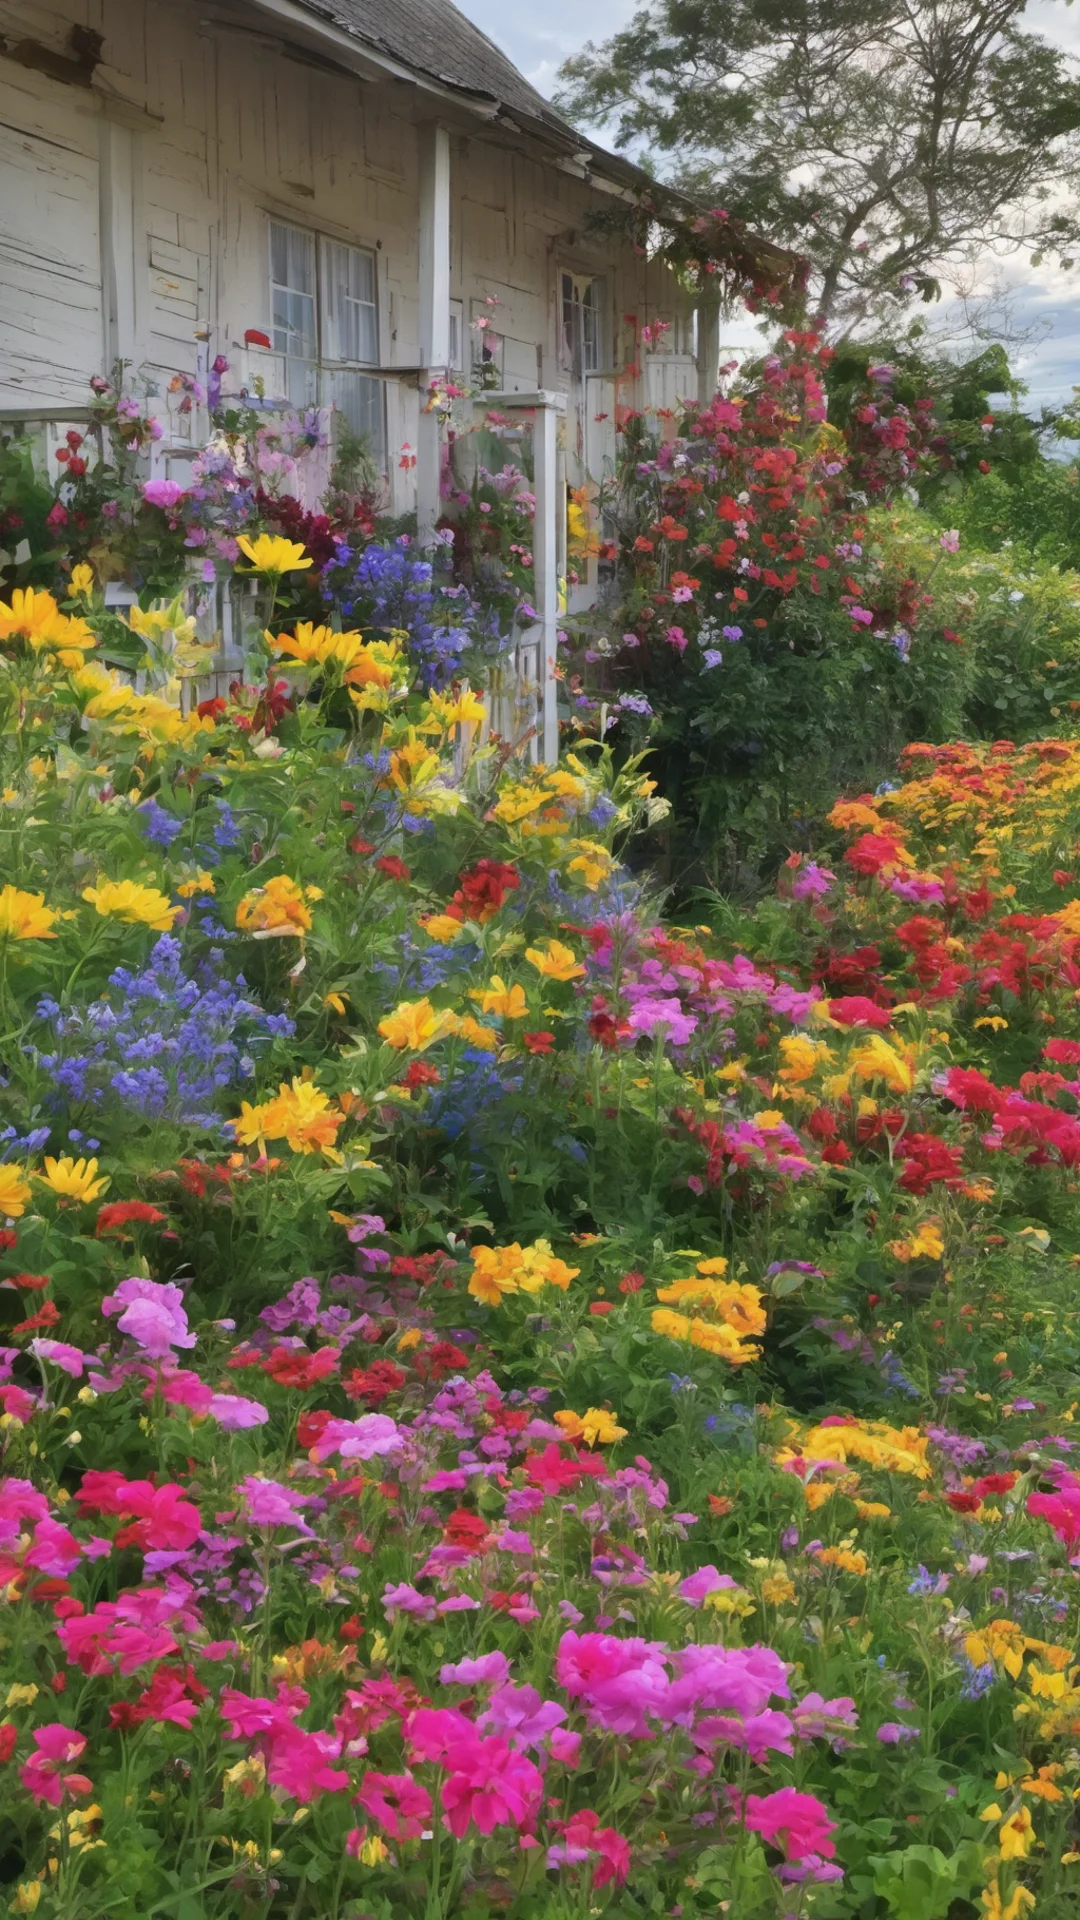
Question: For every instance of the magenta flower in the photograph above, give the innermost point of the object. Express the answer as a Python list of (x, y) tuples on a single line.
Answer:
[(153, 1316), (521, 1716), (269, 1504), (399, 1803), (298, 1762), (797, 1823), (492, 1786), (43, 1775), (235, 1413), (363, 1439), (487, 1669), (163, 493)]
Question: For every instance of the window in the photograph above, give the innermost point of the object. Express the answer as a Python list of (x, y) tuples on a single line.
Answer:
[(325, 322), (457, 329), (584, 348)]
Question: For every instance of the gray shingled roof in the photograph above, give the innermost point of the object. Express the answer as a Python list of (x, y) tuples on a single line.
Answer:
[(432, 38)]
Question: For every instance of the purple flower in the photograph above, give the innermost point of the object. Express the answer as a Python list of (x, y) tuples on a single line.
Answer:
[(695, 1588), (404, 1599), (812, 881), (486, 1669), (892, 1734), (153, 1315), (269, 1504), (234, 1412)]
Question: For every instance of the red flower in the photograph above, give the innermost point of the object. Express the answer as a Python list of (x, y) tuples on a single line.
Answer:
[(211, 709), (964, 1502), (482, 890), (1065, 1052), (117, 1214), (420, 1073), (47, 1316), (836, 1154), (855, 1010), (299, 1368), (374, 1384), (393, 868), (352, 1629), (598, 1308), (540, 1042), (359, 845), (7, 1239), (31, 1282), (632, 1282), (994, 1483), (310, 1426), (467, 1530), (9, 1733)]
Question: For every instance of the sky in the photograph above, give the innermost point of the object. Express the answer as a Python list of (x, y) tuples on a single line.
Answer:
[(1044, 300)]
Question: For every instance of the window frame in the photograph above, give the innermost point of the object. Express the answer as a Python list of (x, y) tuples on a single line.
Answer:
[(324, 367), (572, 352)]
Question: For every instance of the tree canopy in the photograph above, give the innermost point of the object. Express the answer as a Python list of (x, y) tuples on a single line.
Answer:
[(887, 140)]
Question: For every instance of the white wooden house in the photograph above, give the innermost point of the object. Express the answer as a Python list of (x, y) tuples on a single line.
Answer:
[(353, 182)]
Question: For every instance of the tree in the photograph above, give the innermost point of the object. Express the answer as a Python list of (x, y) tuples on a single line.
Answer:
[(886, 140)]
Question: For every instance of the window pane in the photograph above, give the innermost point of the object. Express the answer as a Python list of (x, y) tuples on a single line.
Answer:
[(292, 287), (350, 315), (359, 400)]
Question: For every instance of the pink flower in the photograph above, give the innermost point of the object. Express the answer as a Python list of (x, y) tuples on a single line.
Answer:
[(492, 1786), (153, 1313), (163, 493), (797, 1823), (169, 1521), (438, 1733), (397, 1801), (43, 1774), (697, 1586), (487, 1669), (236, 1413), (584, 1836), (676, 638), (363, 1439), (298, 1762), (69, 1359), (521, 1716), (269, 1504), (564, 1746), (55, 1549), (1060, 1510)]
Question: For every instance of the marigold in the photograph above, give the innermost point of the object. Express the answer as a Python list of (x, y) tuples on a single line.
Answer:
[(73, 1179), (24, 916), (130, 901), (498, 1271), (278, 909)]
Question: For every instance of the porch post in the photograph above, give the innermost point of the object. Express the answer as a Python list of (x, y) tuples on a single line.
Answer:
[(708, 349), (434, 290), (546, 563)]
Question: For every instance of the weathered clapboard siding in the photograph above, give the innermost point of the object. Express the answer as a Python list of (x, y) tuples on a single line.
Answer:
[(134, 218), (51, 323)]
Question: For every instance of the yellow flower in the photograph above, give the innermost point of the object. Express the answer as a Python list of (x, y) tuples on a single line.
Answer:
[(507, 1003), (129, 900), (32, 615), (802, 1057), (336, 1002), (82, 580), (442, 927), (596, 1426), (21, 1696), (1016, 1835), (201, 882), (278, 909), (556, 962), (498, 1271), (373, 1852), (476, 1035), (271, 553), (300, 1114), (14, 1192), (853, 813), (875, 1059), (896, 1449), (847, 1559), (73, 1179), (416, 1025), (24, 916), (925, 1244), (27, 1896), (592, 861), (777, 1590)]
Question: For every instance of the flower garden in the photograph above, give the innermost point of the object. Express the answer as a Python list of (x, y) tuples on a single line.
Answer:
[(515, 1403)]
